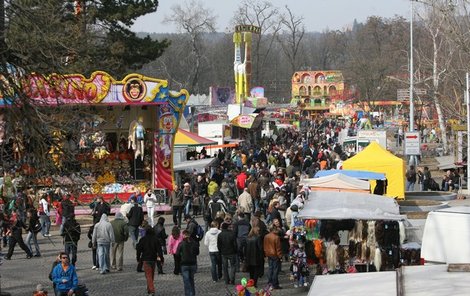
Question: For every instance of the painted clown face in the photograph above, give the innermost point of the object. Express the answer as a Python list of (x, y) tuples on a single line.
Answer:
[(168, 123)]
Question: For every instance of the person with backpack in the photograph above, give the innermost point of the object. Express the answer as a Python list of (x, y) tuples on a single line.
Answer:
[(71, 233), (195, 230), (215, 205), (173, 242)]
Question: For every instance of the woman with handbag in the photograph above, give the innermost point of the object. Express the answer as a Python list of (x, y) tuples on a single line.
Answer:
[(33, 227)]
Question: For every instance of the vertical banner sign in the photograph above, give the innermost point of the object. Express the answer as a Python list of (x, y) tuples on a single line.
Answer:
[(412, 143)]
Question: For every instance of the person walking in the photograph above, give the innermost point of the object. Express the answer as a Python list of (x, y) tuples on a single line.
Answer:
[(149, 251), (64, 276), (103, 236), (241, 228), (121, 234), (135, 217), (210, 240), (272, 250), (32, 227), (227, 244), (15, 234), (44, 215), (411, 178), (161, 235), (173, 242), (71, 234), (176, 203), (254, 257), (188, 249), (94, 251), (68, 208), (150, 200), (100, 207), (245, 204)]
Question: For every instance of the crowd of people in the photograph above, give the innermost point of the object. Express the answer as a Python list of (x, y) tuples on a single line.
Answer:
[(242, 209)]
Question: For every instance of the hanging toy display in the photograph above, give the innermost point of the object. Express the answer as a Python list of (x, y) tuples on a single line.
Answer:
[(137, 137)]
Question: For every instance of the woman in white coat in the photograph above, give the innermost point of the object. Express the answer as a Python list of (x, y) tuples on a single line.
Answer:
[(150, 201)]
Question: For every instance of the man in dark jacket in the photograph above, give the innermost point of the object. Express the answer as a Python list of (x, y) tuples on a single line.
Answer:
[(71, 234), (136, 217), (227, 245), (149, 251), (241, 229), (160, 232), (68, 208), (188, 250), (101, 207), (15, 236)]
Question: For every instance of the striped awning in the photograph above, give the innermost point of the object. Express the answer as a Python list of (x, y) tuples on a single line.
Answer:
[(185, 138)]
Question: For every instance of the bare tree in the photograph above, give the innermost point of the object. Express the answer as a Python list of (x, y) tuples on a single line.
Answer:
[(291, 37), (439, 58), (193, 19)]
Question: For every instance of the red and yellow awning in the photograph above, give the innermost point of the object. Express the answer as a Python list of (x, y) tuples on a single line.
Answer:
[(185, 138)]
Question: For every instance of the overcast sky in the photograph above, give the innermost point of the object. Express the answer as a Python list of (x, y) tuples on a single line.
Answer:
[(318, 14)]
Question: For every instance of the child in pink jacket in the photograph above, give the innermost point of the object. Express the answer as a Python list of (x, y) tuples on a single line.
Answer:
[(175, 238)]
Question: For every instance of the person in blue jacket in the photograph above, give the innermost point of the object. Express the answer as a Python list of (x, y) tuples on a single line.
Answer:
[(137, 197), (64, 276)]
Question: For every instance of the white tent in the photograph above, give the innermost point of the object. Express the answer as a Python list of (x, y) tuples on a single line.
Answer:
[(350, 205), (337, 181), (422, 280)]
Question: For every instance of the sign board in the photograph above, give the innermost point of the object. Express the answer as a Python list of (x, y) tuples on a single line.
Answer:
[(412, 143), (379, 136), (403, 94)]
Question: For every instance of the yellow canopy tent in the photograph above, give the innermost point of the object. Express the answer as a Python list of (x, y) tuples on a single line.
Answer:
[(374, 158)]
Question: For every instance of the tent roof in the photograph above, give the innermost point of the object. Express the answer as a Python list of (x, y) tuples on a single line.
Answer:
[(429, 280), (193, 164), (374, 153), (350, 205), (185, 138), (338, 181), (365, 175)]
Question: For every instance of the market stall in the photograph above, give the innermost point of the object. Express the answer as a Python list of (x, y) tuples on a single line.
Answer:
[(374, 158), (337, 182), (348, 232), (125, 142)]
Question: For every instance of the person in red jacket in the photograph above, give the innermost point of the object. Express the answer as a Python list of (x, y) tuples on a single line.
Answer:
[(241, 181)]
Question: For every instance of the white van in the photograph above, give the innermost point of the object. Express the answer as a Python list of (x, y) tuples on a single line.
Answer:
[(446, 236)]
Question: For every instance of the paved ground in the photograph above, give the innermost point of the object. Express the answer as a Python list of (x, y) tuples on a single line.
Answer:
[(20, 276)]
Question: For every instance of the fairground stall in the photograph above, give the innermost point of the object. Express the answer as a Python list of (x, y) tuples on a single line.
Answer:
[(126, 143), (349, 232)]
